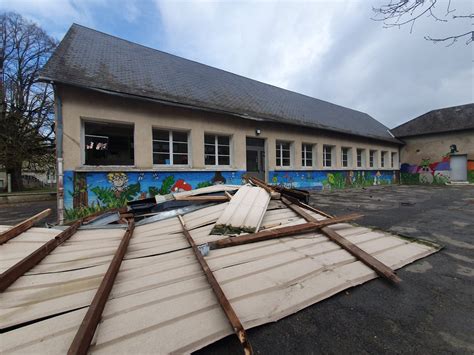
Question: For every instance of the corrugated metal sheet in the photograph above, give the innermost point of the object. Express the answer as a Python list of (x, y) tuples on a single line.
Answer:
[(245, 211), (161, 301)]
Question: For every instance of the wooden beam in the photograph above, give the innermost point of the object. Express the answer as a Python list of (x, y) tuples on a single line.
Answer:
[(379, 267), (13, 273), (274, 194), (86, 331), (23, 226), (281, 232), (221, 297)]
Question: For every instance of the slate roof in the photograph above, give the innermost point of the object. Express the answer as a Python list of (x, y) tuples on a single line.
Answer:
[(448, 119), (92, 59)]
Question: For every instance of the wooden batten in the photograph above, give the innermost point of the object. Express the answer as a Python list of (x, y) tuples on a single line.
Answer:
[(234, 321), (23, 226), (282, 232), (381, 269)]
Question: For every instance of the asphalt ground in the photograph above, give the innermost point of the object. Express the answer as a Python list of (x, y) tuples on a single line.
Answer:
[(431, 312), (13, 213)]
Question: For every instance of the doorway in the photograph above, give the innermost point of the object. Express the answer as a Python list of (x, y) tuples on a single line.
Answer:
[(458, 163), (256, 157)]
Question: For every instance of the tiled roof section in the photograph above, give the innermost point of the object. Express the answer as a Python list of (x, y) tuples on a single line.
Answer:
[(92, 59), (438, 121)]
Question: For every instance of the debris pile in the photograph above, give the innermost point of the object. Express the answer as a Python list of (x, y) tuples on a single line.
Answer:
[(174, 273)]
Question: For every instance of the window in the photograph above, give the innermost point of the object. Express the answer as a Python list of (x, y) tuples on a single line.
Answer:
[(327, 155), (306, 154), (361, 158), (383, 158), (108, 144), (393, 160), (216, 149), (283, 154), (346, 157), (170, 147), (372, 158)]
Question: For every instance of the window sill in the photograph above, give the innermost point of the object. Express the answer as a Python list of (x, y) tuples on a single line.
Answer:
[(283, 168), (219, 168), (86, 168)]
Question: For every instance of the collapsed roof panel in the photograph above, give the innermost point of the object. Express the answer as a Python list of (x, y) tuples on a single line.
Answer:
[(161, 300)]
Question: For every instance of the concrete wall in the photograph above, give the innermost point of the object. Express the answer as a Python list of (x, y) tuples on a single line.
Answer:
[(80, 105), (89, 188), (435, 146), (425, 159)]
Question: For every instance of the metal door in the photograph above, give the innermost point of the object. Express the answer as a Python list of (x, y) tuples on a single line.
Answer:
[(458, 164), (256, 157)]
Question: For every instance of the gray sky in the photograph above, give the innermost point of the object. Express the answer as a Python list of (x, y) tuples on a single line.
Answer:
[(331, 50)]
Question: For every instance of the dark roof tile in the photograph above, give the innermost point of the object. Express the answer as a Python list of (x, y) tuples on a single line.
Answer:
[(448, 119), (92, 59)]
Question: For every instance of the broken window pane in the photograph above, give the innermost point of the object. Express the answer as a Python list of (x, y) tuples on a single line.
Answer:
[(108, 144)]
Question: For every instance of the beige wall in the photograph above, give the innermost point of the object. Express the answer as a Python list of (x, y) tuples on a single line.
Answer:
[(80, 105), (435, 146)]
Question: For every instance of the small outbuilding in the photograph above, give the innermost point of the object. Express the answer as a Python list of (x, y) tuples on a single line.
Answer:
[(133, 122), (439, 146)]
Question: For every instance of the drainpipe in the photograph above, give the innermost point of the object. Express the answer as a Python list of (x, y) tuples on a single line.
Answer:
[(59, 155)]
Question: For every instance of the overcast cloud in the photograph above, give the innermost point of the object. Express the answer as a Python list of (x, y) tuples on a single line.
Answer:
[(331, 50)]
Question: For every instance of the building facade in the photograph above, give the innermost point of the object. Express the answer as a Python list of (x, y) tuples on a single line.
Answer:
[(439, 146), (117, 144)]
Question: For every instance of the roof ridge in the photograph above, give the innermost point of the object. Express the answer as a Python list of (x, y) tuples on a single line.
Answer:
[(216, 68), (430, 111)]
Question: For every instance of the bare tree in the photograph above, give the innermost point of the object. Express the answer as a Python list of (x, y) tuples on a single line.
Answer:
[(26, 121), (406, 12)]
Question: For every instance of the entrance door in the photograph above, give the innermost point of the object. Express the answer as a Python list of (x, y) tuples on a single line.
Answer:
[(256, 157), (458, 164)]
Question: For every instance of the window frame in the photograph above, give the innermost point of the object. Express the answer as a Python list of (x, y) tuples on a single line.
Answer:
[(362, 159), (83, 135), (392, 160), (279, 153), (373, 158), (216, 147), (331, 153), (304, 155), (348, 157), (170, 142), (383, 158)]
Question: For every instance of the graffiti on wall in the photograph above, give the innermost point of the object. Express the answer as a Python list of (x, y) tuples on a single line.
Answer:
[(333, 179), (89, 192), (428, 172)]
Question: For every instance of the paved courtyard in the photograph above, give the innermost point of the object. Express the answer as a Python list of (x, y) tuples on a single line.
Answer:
[(14, 213)]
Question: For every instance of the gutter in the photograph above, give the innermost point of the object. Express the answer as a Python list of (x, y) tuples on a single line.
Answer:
[(59, 154)]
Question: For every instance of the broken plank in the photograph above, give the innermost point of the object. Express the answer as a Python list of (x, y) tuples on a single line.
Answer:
[(380, 268), (83, 338), (244, 213), (23, 226), (281, 232), (221, 297), (17, 270)]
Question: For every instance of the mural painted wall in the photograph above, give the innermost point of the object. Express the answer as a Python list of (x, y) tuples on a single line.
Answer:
[(428, 172), (317, 179), (89, 192)]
